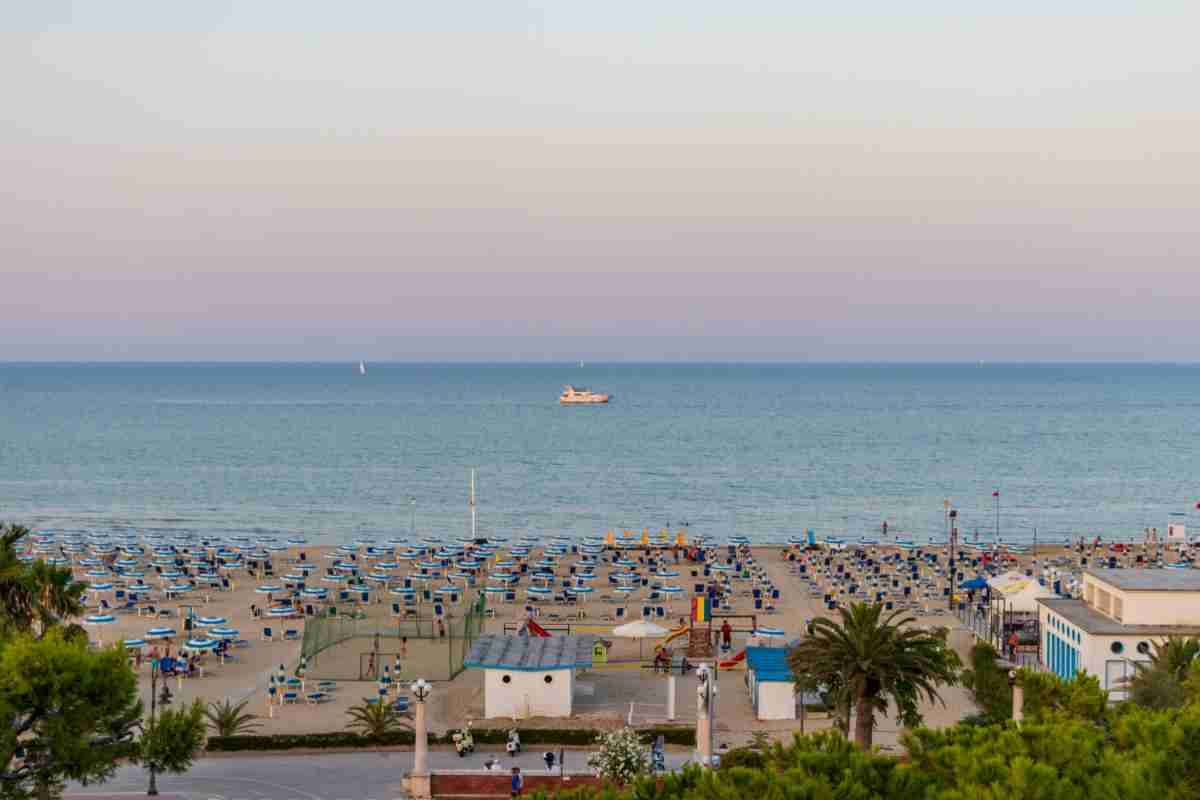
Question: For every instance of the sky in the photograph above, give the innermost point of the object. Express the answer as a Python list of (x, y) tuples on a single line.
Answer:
[(560, 180)]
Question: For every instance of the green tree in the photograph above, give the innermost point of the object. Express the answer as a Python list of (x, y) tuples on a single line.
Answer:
[(1046, 695), (34, 597), (987, 682), (230, 719), (375, 720), (1160, 683), (871, 658), (171, 741), (66, 712)]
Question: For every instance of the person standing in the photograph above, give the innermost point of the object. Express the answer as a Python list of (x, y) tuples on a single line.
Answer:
[(726, 635), (517, 783)]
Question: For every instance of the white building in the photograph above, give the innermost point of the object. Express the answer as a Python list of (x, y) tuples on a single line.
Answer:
[(530, 676), (772, 685), (1121, 613)]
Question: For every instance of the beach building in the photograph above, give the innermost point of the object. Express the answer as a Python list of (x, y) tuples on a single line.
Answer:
[(530, 676), (770, 679), (1116, 620)]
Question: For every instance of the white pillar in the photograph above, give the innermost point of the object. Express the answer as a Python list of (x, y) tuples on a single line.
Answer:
[(671, 696), (421, 741), (703, 727)]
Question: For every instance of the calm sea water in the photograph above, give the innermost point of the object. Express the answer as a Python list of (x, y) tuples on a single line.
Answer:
[(765, 451)]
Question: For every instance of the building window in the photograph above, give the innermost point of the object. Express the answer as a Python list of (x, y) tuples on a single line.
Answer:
[(1117, 648)]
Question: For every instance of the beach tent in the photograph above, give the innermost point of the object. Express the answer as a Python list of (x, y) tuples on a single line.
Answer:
[(1019, 592)]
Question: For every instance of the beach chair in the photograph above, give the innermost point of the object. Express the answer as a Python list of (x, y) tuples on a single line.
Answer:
[(291, 635), (344, 596), (309, 611), (396, 612), (316, 698), (660, 612), (366, 597), (268, 635), (438, 610), (621, 613), (647, 612), (333, 612), (290, 697)]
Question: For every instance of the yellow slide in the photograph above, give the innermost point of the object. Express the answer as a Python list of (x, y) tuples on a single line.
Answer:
[(675, 634)]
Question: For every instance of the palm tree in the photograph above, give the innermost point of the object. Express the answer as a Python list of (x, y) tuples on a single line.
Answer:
[(868, 658), (1158, 684), (229, 719), (375, 720), (34, 596)]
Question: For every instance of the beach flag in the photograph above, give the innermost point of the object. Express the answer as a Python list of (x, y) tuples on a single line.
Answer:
[(700, 609), (645, 536), (610, 539)]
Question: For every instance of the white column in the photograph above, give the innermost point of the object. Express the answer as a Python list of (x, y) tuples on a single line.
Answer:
[(671, 696), (421, 741)]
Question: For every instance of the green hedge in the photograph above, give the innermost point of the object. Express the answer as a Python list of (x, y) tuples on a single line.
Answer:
[(676, 735)]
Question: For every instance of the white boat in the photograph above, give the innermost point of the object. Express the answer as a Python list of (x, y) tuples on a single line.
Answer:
[(579, 396), (362, 368)]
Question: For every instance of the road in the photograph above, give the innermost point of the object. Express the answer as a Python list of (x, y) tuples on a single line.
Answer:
[(339, 776)]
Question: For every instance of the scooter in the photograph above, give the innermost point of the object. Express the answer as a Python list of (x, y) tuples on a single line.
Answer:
[(513, 746), (463, 742)]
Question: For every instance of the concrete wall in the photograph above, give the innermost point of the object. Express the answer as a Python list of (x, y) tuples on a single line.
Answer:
[(776, 700), (527, 694), (481, 784)]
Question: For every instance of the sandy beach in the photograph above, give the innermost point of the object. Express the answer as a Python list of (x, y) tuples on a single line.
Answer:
[(794, 585)]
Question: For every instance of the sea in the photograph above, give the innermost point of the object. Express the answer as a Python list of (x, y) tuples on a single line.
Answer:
[(766, 451)]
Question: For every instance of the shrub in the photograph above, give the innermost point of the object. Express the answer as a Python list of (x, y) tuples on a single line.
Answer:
[(622, 756)]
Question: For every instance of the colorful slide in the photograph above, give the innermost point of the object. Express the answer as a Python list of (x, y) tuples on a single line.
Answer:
[(533, 629), (733, 662), (682, 630)]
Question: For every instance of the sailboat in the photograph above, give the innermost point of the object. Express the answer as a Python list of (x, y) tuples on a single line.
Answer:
[(362, 368)]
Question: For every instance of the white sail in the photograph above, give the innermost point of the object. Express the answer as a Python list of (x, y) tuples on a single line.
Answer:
[(362, 368)]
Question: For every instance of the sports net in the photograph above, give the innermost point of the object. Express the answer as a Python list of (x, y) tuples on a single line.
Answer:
[(355, 646)]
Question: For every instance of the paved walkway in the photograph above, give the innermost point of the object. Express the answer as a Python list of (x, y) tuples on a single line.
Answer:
[(340, 776)]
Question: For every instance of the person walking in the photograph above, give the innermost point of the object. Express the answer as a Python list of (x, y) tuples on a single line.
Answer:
[(517, 782)]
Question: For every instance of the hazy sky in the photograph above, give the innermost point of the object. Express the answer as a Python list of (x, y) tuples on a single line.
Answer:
[(619, 180)]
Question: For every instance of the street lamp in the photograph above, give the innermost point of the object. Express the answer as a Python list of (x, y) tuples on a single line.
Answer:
[(154, 702), (421, 689), (706, 692)]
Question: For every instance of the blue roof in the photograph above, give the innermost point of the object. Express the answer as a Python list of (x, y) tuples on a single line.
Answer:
[(531, 653), (769, 663)]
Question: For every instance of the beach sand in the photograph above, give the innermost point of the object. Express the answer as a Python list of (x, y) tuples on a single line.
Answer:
[(604, 696)]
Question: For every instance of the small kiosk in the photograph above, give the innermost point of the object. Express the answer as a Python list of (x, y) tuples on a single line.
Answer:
[(530, 676), (772, 687)]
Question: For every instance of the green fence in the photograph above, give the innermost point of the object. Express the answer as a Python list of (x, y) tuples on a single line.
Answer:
[(358, 647)]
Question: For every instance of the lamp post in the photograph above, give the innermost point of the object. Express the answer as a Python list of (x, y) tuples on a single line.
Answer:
[(421, 689), (706, 692), (952, 517), (154, 701)]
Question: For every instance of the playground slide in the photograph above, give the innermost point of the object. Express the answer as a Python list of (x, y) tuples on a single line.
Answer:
[(533, 629), (682, 630), (733, 662)]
